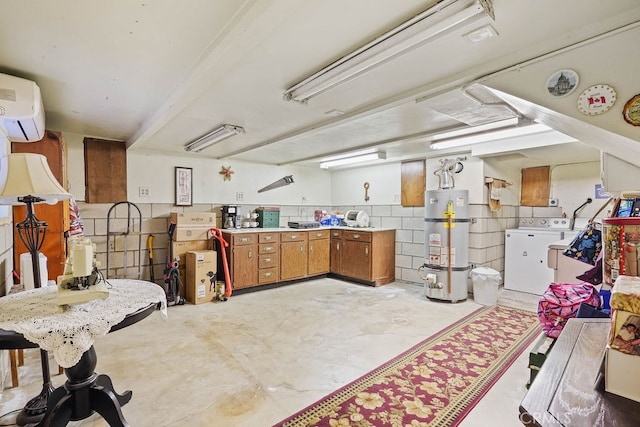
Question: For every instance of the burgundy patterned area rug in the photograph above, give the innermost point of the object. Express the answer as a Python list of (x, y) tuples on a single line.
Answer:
[(435, 383)]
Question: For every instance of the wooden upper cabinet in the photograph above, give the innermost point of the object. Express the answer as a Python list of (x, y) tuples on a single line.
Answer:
[(53, 147), (105, 170), (413, 183), (536, 186)]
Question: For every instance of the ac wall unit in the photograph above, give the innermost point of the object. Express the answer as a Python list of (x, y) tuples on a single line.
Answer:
[(21, 110)]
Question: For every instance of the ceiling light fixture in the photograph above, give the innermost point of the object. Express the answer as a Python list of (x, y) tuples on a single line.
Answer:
[(523, 127), (500, 124), (442, 18), (351, 159), (221, 133), (480, 34)]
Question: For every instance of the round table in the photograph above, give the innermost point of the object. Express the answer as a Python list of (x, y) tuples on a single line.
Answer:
[(33, 319)]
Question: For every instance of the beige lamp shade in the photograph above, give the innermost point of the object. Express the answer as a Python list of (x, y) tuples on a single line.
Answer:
[(26, 174)]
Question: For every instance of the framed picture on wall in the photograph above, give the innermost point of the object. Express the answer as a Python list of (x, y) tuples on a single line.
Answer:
[(184, 187)]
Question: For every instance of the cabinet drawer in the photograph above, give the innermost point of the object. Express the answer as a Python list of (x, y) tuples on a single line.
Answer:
[(268, 248), (268, 237), (319, 234), (294, 236), (268, 275), (268, 261), (357, 235), (245, 239)]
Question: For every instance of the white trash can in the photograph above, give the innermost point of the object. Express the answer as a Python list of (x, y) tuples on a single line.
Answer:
[(485, 285)]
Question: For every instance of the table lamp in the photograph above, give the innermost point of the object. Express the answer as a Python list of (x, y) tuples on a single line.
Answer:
[(26, 179)]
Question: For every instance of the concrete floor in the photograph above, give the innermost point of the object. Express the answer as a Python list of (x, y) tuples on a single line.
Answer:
[(262, 356)]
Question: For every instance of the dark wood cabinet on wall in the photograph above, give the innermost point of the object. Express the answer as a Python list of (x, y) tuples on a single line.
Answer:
[(105, 171), (53, 147), (413, 182), (536, 186)]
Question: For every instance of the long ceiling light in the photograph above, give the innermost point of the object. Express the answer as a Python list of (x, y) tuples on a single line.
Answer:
[(523, 127), (442, 18), (221, 133), (351, 159)]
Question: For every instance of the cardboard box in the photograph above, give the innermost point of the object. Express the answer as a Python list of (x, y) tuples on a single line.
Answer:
[(180, 249), (192, 226), (186, 234), (198, 219), (621, 374), (201, 276)]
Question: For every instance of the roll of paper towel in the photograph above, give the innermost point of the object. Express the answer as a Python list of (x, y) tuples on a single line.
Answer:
[(26, 271)]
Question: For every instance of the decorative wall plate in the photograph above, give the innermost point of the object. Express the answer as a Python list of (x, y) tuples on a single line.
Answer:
[(596, 99), (562, 82), (631, 111)]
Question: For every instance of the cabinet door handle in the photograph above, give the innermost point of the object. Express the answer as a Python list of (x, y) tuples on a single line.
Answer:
[(366, 250), (311, 247), (356, 236), (301, 248), (250, 253), (338, 246)]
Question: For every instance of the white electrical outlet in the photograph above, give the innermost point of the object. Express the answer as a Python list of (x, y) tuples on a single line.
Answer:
[(239, 196), (144, 192), (396, 198)]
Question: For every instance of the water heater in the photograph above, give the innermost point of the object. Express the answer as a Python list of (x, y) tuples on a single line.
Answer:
[(445, 270)]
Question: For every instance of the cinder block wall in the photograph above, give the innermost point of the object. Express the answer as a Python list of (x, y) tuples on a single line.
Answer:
[(486, 237)]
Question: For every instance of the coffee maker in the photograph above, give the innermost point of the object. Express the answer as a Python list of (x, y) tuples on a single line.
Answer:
[(229, 216)]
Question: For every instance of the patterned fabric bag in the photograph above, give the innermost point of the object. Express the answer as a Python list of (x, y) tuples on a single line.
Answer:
[(586, 245), (560, 302)]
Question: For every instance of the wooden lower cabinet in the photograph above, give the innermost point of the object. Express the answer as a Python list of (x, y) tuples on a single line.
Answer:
[(242, 256), (262, 258), (293, 255), (319, 253), (335, 264), (367, 256), (268, 258)]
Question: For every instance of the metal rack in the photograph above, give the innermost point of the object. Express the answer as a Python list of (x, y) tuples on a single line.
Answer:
[(130, 230)]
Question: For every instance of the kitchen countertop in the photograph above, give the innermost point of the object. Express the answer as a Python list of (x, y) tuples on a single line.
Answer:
[(283, 229)]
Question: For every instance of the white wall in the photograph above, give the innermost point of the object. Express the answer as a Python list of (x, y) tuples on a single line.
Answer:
[(572, 184), (156, 171), (384, 185)]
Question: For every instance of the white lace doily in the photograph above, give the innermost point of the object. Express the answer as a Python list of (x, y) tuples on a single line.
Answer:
[(67, 335)]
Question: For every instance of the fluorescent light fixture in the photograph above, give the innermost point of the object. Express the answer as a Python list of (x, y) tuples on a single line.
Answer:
[(492, 135), (351, 159), (221, 133), (480, 34), (440, 19), (476, 129)]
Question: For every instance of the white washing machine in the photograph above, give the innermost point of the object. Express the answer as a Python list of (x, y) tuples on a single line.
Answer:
[(526, 250)]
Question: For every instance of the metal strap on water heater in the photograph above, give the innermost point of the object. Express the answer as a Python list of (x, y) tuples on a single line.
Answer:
[(444, 267), (447, 220)]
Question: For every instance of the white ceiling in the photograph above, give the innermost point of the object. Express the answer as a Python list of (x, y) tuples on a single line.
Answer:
[(159, 74)]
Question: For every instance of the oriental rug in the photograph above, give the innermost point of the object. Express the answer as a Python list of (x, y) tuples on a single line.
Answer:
[(435, 383)]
